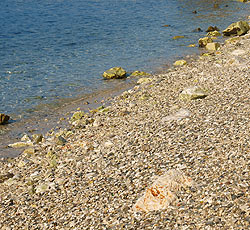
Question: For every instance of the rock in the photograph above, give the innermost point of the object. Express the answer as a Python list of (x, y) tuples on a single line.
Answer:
[(6, 177), (139, 73), (232, 40), (20, 144), (114, 73), (193, 93), (77, 116), (182, 113), (60, 140), (214, 34), (144, 80), (204, 41), (237, 28), (191, 45), (212, 28), (178, 37), (238, 52), (29, 151), (25, 137), (180, 62), (242, 0), (197, 30), (37, 138), (162, 192), (213, 46), (4, 119)]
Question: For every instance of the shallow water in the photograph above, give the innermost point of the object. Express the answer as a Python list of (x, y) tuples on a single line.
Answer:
[(54, 51)]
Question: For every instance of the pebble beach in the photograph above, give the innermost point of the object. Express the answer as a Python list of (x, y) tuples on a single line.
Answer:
[(91, 174)]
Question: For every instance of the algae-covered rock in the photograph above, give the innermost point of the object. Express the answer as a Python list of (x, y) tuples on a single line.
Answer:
[(178, 37), (77, 116), (144, 80), (139, 73), (242, 0), (114, 73), (237, 28), (213, 46), (214, 34), (180, 62), (4, 119), (193, 93), (204, 41)]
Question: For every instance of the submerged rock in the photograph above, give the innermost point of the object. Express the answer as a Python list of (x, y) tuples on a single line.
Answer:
[(193, 93), (212, 46), (4, 119), (204, 41), (114, 73), (237, 28), (180, 62), (178, 37), (162, 192)]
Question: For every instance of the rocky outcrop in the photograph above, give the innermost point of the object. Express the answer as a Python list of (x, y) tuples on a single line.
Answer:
[(237, 28), (204, 41), (4, 118), (114, 73)]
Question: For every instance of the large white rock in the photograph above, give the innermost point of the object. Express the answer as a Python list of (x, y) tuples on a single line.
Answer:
[(162, 192)]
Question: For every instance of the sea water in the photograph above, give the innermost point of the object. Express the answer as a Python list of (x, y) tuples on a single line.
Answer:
[(51, 50)]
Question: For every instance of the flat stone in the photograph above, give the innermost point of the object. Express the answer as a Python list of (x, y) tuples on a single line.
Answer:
[(193, 93), (180, 62), (213, 46)]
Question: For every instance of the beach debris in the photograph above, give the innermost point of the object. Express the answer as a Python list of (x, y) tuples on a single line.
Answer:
[(144, 80), (178, 37), (162, 192), (192, 93), (4, 118), (212, 28), (238, 28), (139, 73), (114, 73), (180, 114), (166, 25), (204, 41), (213, 34), (180, 62), (212, 46)]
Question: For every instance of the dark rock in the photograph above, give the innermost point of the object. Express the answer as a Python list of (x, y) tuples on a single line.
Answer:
[(4, 118), (212, 28), (197, 30)]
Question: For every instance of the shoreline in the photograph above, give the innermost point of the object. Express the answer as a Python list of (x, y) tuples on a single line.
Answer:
[(106, 161)]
